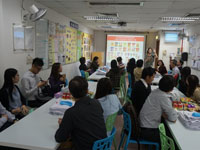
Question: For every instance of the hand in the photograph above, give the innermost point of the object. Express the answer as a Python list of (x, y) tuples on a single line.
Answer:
[(59, 120), (16, 110), (154, 50), (24, 110), (41, 83), (5, 116), (63, 78)]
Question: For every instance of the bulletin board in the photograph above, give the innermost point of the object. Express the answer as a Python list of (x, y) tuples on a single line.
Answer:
[(194, 52), (79, 44), (86, 45)]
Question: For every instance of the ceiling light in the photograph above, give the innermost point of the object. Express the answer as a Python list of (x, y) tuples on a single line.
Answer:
[(179, 19), (114, 4), (106, 18)]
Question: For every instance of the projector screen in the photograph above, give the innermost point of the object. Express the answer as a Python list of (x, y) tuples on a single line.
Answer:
[(171, 37), (126, 46)]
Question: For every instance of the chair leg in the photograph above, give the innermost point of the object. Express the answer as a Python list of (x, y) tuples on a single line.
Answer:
[(122, 138), (115, 145), (157, 146)]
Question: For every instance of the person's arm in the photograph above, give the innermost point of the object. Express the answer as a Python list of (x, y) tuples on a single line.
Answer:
[(10, 117), (3, 120), (26, 89), (108, 74), (65, 128), (168, 111), (155, 54)]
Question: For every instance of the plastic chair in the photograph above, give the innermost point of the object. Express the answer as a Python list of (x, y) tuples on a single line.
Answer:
[(128, 128), (129, 90), (104, 144), (166, 142), (86, 75), (110, 121), (82, 73)]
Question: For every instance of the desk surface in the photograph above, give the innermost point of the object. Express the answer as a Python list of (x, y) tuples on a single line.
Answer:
[(95, 76), (35, 131), (156, 79)]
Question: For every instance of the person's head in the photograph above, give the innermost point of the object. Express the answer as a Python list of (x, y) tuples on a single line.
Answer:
[(192, 82), (166, 84), (11, 77), (119, 60), (55, 70), (149, 50), (131, 65), (113, 64), (173, 63), (78, 87), (185, 72), (180, 62), (95, 59), (148, 74), (139, 63), (104, 87), (82, 60), (37, 65), (161, 63)]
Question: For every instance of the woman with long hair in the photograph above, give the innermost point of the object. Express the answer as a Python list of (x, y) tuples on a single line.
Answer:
[(193, 88), (162, 69), (11, 97), (109, 101), (130, 69), (56, 80), (182, 86)]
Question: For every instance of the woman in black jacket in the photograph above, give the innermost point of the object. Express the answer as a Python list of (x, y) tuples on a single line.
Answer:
[(10, 94)]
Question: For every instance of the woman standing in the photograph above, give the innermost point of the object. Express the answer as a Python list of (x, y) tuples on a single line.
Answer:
[(150, 57), (56, 80), (11, 97)]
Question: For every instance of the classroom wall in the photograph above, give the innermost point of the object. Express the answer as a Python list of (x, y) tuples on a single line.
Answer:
[(100, 40), (170, 48), (194, 30), (10, 12)]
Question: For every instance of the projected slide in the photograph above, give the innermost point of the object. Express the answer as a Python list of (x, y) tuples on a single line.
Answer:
[(126, 46)]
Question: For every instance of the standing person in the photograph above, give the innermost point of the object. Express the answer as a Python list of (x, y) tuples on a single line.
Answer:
[(109, 101), (180, 64), (11, 97), (138, 70), (182, 86), (150, 57), (95, 64), (114, 75), (83, 65), (193, 88), (56, 80), (173, 65), (157, 105), (130, 69), (121, 65), (142, 88), (83, 122), (31, 83), (162, 69)]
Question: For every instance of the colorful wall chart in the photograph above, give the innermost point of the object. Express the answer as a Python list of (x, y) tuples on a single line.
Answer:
[(86, 45), (126, 46)]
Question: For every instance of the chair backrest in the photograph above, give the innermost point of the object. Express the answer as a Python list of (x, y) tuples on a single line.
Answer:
[(129, 80), (82, 73), (86, 75), (127, 122), (106, 143), (110, 120), (166, 142)]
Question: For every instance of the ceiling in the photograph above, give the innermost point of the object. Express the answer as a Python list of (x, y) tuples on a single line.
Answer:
[(138, 18)]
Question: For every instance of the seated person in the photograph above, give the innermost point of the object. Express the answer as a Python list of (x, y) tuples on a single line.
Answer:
[(142, 88), (121, 65), (109, 101), (56, 80), (83, 65), (114, 75), (11, 96), (6, 118), (94, 65), (138, 70), (180, 64), (162, 69), (31, 83), (193, 88), (84, 121), (130, 69), (173, 65), (182, 86), (157, 105)]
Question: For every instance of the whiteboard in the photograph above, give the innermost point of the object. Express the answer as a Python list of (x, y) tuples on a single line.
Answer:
[(29, 38)]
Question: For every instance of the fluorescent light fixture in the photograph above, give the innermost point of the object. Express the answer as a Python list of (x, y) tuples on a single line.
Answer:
[(179, 19), (106, 18), (116, 4)]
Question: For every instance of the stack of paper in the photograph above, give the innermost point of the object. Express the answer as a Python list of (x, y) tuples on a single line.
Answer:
[(60, 106)]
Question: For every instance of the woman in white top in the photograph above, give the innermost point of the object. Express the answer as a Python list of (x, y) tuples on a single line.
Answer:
[(109, 102)]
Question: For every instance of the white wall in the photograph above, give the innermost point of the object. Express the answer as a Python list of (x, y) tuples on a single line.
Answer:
[(170, 48), (11, 13), (195, 30)]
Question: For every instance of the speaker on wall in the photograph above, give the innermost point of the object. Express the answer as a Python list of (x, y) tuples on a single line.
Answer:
[(184, 56)]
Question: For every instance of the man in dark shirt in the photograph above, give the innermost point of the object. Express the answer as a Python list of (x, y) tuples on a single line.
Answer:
[(142, 88), (83, 122)]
